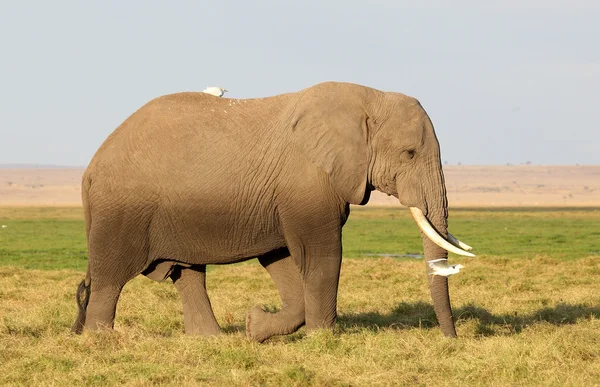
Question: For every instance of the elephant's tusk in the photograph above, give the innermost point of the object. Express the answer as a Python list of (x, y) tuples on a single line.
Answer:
[(458, 243), (433, 235)]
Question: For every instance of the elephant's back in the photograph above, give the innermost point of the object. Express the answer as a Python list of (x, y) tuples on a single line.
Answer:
[(191, 139), (177, 132)]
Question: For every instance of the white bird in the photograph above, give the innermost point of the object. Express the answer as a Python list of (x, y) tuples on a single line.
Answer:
[(4, 226), (216, 91), (441, 267)]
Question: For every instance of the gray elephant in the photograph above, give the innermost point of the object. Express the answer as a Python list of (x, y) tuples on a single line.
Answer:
[(191, 179)]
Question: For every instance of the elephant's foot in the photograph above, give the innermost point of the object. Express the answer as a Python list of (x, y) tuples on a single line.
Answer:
[(201, 329), (198, 318), (92, 325), (255, 326), (261, 325)]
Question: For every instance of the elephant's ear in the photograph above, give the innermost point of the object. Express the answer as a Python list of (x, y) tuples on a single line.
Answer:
[(330, 128)]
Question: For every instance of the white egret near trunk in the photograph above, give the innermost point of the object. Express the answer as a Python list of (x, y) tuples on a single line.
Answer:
[(442, 268)]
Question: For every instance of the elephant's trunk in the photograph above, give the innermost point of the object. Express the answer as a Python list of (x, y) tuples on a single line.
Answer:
[(438, 285), (433, 222)]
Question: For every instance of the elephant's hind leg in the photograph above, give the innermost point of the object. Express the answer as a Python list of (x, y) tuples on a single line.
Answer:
[(107, 281), (261, 325), (198, 316), (114, 259)]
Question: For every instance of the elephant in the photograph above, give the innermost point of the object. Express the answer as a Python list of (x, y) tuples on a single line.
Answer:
[(190, 180)]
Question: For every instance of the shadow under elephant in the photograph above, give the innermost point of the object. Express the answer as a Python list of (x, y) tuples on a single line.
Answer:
[(421, 315)]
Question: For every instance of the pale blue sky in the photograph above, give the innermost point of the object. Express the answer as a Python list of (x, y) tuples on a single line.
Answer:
[(508, 82)]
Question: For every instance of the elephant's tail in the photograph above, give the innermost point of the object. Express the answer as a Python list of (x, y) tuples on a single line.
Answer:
[(82, 297)]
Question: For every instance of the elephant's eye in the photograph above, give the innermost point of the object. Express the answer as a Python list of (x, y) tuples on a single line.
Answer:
[(411, 153)]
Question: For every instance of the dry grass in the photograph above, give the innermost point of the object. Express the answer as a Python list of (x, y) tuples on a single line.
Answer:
[(521, 322)]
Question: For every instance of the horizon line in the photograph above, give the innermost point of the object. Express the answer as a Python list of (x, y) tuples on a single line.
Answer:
[(59, 166)]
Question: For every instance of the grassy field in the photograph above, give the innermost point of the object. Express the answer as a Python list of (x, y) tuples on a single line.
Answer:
[(527, 310)]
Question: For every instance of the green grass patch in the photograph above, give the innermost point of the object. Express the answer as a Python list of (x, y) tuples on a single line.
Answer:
[(47, 244), (513, 233), (54, 238)]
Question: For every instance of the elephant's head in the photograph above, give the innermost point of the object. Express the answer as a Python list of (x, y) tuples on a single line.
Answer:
[(366, 139)]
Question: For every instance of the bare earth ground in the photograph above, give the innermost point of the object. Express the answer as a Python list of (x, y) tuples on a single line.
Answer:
[(468, 186)]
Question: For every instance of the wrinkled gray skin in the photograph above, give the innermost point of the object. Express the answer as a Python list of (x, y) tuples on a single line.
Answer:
[(191, 179)]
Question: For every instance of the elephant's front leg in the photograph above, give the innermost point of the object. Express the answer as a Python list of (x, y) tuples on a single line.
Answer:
[(261, 325), (314, 239), (321, 272), (198, 316)]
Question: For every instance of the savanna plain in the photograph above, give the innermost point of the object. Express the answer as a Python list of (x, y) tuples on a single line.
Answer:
[(527, 309)]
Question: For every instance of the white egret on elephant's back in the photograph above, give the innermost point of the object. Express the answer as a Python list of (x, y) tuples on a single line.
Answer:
[(216, 91)]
